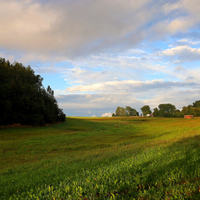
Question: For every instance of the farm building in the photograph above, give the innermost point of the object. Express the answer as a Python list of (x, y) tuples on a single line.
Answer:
[(188, 116), (149, 115)]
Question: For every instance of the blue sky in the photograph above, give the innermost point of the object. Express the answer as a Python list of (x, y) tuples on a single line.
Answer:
[(100, 54)]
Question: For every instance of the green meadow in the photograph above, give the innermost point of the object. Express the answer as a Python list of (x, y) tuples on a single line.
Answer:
[(102, 158)]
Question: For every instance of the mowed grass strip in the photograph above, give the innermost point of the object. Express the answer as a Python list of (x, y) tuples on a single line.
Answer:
[(102, 158)]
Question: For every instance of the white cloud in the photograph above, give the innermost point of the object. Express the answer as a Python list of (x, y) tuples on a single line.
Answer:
[(170, 27), (183, 53), (115, 66), (67, 29), (24, 25), (132, 86), (88, 96), (168, 7), (109, 114), (180, 17), (187, 41), (180, 49), (179, 98), (192, 8)]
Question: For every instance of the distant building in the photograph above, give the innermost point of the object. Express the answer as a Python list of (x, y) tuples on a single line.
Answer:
[(149, 115), (188, 116)]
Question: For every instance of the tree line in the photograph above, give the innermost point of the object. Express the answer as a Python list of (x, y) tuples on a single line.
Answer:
[(23, 98), (163, 110), (127, 111)]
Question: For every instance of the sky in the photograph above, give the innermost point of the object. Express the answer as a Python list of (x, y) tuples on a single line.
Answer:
[(100, 54)]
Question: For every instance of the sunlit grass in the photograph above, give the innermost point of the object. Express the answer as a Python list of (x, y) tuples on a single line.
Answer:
[(102, 158)]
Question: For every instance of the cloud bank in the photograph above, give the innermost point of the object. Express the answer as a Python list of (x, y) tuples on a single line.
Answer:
[(108, 53)]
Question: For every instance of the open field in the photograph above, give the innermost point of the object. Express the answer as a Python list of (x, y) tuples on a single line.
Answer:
[(102, 158)]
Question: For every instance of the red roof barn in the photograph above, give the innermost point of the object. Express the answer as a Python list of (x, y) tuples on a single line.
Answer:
[(188, 116)]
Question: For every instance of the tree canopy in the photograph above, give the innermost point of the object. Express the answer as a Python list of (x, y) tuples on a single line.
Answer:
[(127, 111), (23, 98), (196, 104), (120, 111), (131, 111), (163, 110), (169, 110), (146, 110)]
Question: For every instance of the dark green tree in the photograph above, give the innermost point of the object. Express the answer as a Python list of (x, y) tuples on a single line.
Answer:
[(166, 110), (23, 99), (145, 110), (130, 111), (196, 104), (134, 112), (113, 115), (187, 110), (196, 111), (156, 112), (191, 109), (120, 111)]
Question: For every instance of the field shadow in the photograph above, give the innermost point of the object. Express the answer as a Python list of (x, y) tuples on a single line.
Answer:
[(176, 165)]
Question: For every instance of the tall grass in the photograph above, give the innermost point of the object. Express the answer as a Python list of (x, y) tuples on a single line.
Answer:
[(102, 158)]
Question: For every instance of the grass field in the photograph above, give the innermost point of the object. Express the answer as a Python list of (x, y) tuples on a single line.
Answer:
[(102, 158)]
